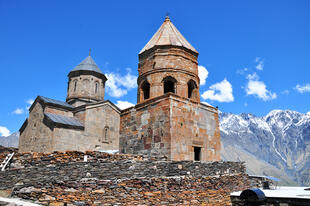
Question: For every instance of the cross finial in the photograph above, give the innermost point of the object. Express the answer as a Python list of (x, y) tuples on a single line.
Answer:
[(167, 16), (89, 51)]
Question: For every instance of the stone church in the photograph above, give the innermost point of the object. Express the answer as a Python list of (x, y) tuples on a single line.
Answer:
[(168, 118)]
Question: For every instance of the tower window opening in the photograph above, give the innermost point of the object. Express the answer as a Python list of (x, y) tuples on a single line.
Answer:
[(191, 86), (169, 85), (146, 90), (197, 153)]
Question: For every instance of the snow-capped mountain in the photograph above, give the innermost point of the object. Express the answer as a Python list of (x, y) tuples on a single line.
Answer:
[(10, 141), (280, 142)]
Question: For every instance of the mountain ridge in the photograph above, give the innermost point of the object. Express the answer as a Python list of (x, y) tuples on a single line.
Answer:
[(281, 138)]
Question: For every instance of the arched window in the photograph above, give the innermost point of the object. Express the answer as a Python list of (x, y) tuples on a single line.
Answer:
[(96, 87), (106, 134), (145, 87), (191, 86), (169, 85)]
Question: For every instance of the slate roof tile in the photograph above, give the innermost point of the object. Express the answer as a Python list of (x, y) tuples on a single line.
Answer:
[(64, 120)]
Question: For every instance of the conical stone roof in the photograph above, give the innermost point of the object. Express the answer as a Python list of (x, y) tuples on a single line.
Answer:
[(87, 64), (168, 34)]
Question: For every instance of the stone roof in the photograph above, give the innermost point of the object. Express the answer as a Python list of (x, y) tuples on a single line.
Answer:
[(55, 102), (168, 34), (64, 120), (87, 64)]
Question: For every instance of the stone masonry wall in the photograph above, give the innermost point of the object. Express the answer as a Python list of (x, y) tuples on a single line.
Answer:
[(194, 125), (84, 86), (102, 123), (162, 62), (98, 119), (36, 137), (145, 129), (101, 129), (60, 178), (171, 126)]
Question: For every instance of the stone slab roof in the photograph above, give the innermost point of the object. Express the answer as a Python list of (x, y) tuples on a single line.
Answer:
[(55, 102), (87, 64), (168, 34), (64, 120)]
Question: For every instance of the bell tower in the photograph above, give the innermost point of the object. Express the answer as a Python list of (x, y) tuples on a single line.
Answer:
[(168, 63), (86, 83), (169, 119)]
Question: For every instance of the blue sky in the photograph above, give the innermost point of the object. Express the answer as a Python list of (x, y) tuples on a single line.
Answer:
[(255, 53)]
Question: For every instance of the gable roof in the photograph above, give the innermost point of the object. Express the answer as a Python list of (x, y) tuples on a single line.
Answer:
[(87, 64), (63, 120), (168, 34)]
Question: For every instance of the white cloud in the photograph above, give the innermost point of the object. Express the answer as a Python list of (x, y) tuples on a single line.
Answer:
[(303, 88), (124, 104), (260, 63), (23, 110), (245, 104), (221, 91), (4, 131), (30, 101), (242, 71), (18, 111), (258, 88), (286, 92), (203, 74), (129, 81), (118, 85)]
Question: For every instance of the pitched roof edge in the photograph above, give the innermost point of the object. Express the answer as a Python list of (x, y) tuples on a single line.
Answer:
[(23, 127)]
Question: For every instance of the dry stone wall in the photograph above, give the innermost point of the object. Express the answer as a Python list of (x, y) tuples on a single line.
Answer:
[(64, 178)]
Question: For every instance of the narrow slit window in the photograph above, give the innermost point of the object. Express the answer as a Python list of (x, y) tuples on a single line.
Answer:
[(96, 88), (106, 137), (74, 85)]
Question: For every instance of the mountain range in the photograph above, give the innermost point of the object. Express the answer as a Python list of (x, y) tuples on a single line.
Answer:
[(277, 144)]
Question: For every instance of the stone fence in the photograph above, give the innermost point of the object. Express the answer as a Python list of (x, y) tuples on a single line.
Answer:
[(49, 178)]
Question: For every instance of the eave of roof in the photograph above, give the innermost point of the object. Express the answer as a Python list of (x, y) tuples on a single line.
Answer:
[(52, 102)]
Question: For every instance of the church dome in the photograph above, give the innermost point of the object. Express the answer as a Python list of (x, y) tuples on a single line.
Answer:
[(87, 64)]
